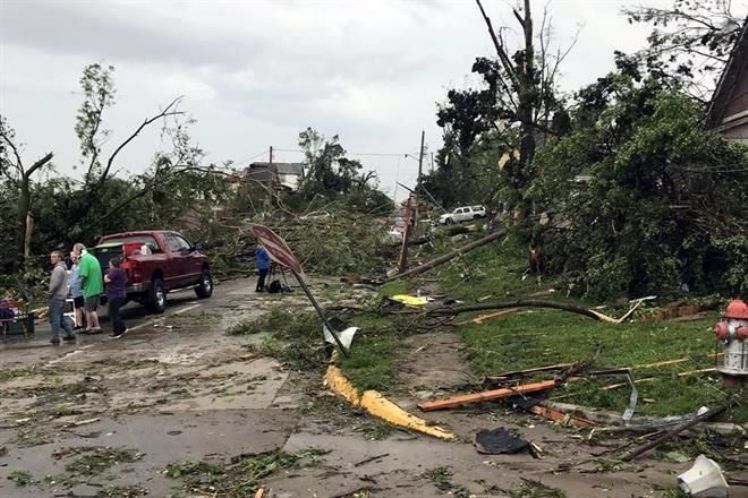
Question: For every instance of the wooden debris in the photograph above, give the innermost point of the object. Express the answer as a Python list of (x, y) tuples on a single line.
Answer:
[(651, 379), (562, 418), (80, 423), (260, 493), (488, 316), (513, 373), (492, 395), (370, 459)]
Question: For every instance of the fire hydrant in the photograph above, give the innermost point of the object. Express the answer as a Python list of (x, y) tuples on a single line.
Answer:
[(732, 332)]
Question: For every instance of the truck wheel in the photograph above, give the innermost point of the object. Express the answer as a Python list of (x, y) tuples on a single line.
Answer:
[(476, 216), (157, 296), (205, 288), (449, 221)]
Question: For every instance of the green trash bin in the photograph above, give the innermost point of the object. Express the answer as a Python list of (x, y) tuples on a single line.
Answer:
[(18, 327)]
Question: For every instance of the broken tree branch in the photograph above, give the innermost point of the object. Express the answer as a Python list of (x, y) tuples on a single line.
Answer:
[(500, 51), (517, 303), (631, 454), (443, 259), (38, 164), (167, 111)]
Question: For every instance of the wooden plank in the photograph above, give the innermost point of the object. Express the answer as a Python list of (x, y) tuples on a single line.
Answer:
[(488, 316), (558, 366), (492, 395)]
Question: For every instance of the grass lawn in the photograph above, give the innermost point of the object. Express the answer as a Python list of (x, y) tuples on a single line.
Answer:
[(537, 337)]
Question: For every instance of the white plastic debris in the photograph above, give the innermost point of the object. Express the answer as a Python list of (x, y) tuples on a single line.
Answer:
[(704, 480), (346, 336)]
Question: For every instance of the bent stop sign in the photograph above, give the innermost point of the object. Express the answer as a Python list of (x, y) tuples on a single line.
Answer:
[(276, 247), (282, 254)]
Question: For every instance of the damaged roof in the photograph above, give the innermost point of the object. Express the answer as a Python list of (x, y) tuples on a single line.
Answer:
[(280, 168), (730, 100)]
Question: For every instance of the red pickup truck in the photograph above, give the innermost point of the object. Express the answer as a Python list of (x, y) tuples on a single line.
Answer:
[(156, 263)]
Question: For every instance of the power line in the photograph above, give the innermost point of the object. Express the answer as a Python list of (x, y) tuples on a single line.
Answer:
[(253, 157), (373, 154)]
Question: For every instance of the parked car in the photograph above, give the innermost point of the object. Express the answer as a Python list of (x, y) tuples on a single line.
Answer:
[(463, 213), (156, 263)]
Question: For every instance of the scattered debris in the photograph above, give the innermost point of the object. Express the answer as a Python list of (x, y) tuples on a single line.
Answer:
[(411, 301), (560, 417), (499, 441), (704, 479), (371, 459), (635, 452), (80, 423)]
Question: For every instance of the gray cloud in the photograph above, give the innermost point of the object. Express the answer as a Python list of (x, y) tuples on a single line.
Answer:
[(255, 73)]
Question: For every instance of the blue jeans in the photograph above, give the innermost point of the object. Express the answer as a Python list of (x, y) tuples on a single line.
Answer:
[(57, 318)]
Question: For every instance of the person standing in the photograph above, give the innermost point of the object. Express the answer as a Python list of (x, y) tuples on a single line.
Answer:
[(116, 293), (263, 266), (75, 291), (92, 283), (58, 293)]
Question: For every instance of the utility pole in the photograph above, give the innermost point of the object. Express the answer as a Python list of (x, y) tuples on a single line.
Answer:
[(271, 155), (418, 182), (411, 214)]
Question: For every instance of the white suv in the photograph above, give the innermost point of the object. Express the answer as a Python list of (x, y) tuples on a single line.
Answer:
[(463, 214)]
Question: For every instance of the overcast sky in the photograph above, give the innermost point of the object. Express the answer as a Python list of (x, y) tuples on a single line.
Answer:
[(254, 73)]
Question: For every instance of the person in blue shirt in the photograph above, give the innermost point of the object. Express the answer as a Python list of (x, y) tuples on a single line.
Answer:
[(263, 266)]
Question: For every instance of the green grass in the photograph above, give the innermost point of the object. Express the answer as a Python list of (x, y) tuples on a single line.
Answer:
[(395, 287), (370, 364), (495, 269), (541, 337)]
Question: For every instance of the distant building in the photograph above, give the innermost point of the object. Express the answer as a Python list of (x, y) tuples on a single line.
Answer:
[(728, 110), (277, 175)]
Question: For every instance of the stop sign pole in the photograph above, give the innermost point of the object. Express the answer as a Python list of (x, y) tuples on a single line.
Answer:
[(279, 252)]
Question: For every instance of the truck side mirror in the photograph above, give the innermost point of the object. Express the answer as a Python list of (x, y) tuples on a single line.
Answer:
[(198, 246)]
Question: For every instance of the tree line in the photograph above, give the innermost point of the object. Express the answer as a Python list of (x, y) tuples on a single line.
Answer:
[(619, 182)]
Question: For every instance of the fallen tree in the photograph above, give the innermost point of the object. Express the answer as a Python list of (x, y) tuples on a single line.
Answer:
[(449, 256), (516, 303)]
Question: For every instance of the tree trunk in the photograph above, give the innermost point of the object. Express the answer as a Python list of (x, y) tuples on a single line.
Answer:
[(24, 208)]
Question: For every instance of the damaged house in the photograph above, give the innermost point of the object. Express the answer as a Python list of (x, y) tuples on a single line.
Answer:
[(728, 110), (277, 175)]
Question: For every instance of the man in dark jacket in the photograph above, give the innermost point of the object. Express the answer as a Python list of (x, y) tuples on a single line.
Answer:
[(58, 293), (263, 266)]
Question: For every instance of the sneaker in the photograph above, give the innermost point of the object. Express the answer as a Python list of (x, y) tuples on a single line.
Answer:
[(117, 336), (68, 338), (96, 331), (55, 341)]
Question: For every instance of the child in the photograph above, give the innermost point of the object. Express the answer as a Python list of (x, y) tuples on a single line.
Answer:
[(116, 293)]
